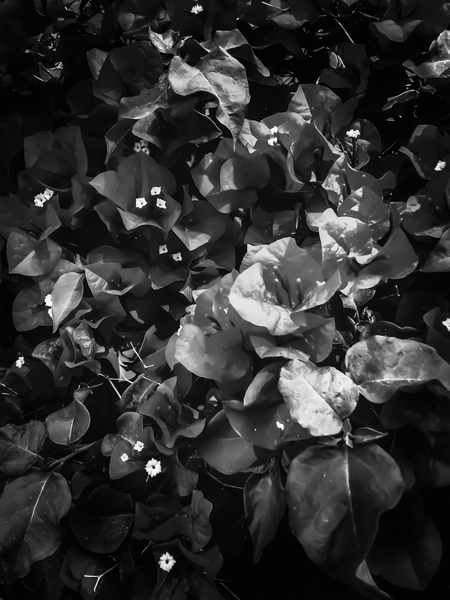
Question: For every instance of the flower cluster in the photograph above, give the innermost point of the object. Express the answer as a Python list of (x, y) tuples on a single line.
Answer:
[(48, 301), (141, 146), (43, 197)]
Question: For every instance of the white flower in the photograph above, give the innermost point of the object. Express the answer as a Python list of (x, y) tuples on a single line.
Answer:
[(124, 457), (41, 199), (160, 203), (20, 362), (141, 146), (274, 130), (353, 133), (440, 165), (272, 141), (279, 425), (177, 257), (166, 561), (163, 249), (48, 300), (446, 323), (153, 467), (141, 202), (138, 446), (155, 191), (197, 8)]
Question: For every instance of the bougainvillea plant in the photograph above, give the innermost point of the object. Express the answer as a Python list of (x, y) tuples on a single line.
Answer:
[(225, 258)]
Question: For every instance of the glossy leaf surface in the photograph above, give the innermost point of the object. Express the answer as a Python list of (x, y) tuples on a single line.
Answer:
[(381, 365)]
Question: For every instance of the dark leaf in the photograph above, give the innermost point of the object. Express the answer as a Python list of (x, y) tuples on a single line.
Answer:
[(31, 507), (20, 446), (102, 522), (69, 424), (264, 503), (335, 498)]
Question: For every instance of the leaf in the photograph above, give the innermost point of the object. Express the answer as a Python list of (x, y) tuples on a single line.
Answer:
[(264, 503), (69, 424), (101, 522), (20, 446), (31, 507), (277, 282), (220, 74), (193, 523), (66, 296), (335, 497), (408, 549), (29, 311), (266, 424), (129, 427), (438, 260), (136, 394), (318, 398), (219, 356), (27, 256), (221, 447), (381, 365)]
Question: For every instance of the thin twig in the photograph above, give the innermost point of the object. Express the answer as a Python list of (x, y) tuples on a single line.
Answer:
[(60, 461)]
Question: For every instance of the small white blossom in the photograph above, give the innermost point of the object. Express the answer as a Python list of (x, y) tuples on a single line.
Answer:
[(440, 165), (141, 146), (155, 191), (446, 324), (138, 446), (20, 362), (141, 202), (177, 257), (353, 133), (41, 199), (166, 561), (160, 203), (279, 425), (124, 457), (272, 141), (163, 249), (197, 8), (48, 300), (274, 130), (153, 467)]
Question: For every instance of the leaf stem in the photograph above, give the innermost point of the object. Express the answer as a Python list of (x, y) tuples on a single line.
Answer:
[(236, 487), (60, 461)]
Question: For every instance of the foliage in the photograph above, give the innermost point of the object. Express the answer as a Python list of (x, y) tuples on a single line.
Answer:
[(225, 240)]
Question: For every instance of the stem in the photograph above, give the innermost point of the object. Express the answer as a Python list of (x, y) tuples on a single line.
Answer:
[(60, 461), (236, 487), (228, 589), (394, 439)]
